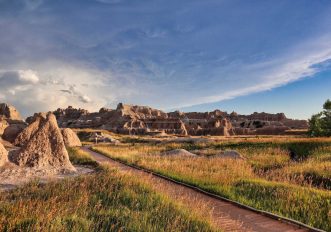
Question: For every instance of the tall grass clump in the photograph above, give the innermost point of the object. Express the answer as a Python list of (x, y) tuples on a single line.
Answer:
[(309, 173), (80, 157), (307, 205)]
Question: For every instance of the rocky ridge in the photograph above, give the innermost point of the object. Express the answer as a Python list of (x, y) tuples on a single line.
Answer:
[(131, 119)]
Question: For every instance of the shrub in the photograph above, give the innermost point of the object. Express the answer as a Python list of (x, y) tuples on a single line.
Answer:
[(320, 124)]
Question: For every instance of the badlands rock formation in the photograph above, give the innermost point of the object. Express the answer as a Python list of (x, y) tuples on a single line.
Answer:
[(42, 145), (12, 131), (3, 155), (70, 138), (3, 125), (264, 123), (9, 112), (129, 119), (24, 137), (96, 136), (11, 123)]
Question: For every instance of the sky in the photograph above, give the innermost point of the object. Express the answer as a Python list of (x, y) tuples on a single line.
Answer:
[(241, 55)]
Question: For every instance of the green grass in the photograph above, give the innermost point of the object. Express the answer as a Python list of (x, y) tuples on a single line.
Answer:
[(306, 205), (80, 157), (104, 201), (268, 179)]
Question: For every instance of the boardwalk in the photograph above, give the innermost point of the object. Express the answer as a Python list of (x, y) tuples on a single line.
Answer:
[(227, 216)]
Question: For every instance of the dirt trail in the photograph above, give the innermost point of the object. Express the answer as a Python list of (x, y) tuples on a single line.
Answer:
[(226, 216)]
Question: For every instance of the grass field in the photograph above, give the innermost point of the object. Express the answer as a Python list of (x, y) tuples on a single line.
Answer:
[(104, 201), (286, 176), (79, 157)]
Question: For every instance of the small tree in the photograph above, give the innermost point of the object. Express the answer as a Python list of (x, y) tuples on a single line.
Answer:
[(320, 124), (327, 118), (315, 127), (327, 105)]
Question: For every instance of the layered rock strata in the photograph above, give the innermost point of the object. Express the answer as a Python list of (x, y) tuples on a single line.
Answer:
[(130, 119)]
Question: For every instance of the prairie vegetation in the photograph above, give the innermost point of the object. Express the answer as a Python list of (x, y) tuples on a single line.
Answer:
[(287, 176), (106, 200), (80, 157)]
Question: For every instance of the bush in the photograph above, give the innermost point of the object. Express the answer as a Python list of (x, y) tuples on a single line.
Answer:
[(320, 124)]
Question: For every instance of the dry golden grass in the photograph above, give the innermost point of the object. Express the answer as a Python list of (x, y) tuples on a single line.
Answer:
[(80, 157), (267, 179), (272, 139), (104, 201)]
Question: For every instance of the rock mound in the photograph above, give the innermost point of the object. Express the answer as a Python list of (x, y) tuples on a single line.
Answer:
[(10, 122), (25, 135), (96, 137), (12, 131), (3, 155), (231, 154), (42, 145), (9, 112), (70, 138), (178, 152), (102, 138)]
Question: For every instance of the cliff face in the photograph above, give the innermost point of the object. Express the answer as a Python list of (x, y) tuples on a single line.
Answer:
[(131, 119)]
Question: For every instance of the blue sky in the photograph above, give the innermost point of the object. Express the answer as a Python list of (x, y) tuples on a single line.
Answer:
[(246, 56)]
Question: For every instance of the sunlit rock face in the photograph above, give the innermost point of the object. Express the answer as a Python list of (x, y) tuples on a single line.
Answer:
[(9, 112), (42, 145), (131, 119), (3, 155), (70, 138), (11, 123)]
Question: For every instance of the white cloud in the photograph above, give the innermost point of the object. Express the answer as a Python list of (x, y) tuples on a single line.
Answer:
[(28, 76), (74, 91), (62, 85)]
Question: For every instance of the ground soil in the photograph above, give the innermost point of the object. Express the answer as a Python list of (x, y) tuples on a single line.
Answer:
[(13, 176)]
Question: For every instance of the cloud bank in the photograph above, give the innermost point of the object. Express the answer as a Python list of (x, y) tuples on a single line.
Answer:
[(166, 54)]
